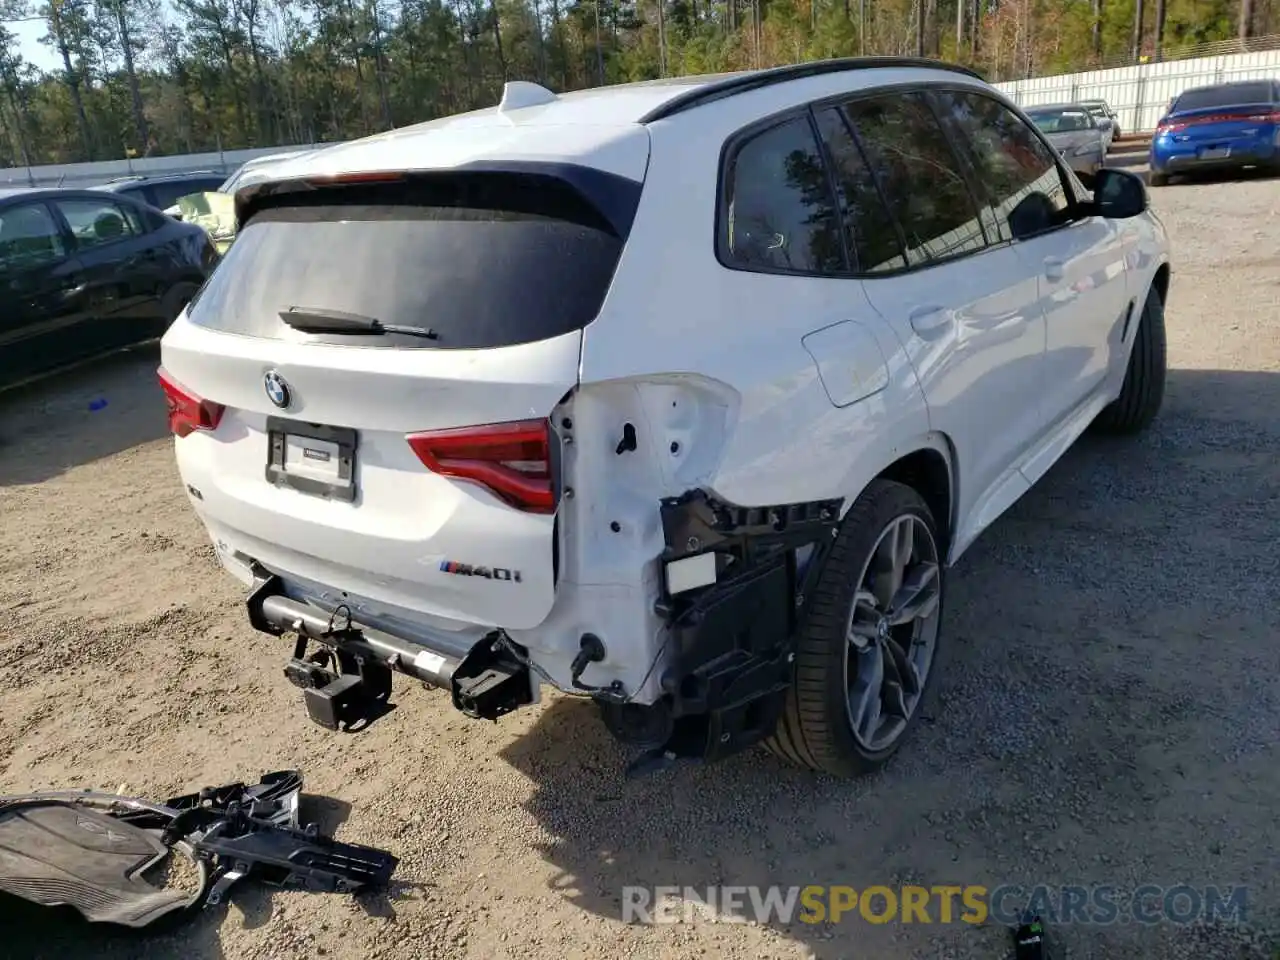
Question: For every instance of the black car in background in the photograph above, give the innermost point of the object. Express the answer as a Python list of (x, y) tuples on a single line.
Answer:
[(83, 272), (164, 190)]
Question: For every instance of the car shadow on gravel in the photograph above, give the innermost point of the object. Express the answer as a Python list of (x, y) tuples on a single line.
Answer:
[(72, 418), (32, 932), (1085, 734)]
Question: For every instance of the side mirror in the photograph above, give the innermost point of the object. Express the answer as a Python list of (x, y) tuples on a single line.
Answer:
[(1118, 194), (1106, 123)]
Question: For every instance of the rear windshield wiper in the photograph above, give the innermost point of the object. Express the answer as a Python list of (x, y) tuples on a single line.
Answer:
[(319, 320)]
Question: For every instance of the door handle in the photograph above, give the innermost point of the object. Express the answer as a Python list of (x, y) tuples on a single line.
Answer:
[(928, 320), (1054, 268)]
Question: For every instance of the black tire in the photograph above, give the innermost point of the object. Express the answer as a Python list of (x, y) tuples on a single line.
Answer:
[(815, 729), (1143, 391), (1159, 179)]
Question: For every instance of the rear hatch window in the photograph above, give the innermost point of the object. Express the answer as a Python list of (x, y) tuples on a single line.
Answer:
[(1226, 96), (480, 260)]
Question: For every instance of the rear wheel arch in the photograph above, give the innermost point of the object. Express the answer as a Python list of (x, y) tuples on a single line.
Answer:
[(1160, 282), (930, 470)]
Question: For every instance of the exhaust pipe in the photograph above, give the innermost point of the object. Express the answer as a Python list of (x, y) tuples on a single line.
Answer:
[(416, 661), (491, 679)]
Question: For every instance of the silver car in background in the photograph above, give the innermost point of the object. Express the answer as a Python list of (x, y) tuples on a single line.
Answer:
[(1106, 117), (1074, 131)]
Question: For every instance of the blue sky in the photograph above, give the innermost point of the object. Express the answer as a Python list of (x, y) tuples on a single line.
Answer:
[(29, 45)]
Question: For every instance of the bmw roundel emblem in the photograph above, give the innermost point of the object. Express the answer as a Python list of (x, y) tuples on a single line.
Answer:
[(277, 389)]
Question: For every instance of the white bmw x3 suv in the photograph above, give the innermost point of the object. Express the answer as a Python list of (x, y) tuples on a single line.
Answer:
[(679, 395)]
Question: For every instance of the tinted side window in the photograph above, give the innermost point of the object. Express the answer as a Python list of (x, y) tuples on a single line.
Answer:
[(1012, 163), (871, 233), (779, 212), (29, 237), (154, 220), (138, 224), (95, 222), (918, 172)]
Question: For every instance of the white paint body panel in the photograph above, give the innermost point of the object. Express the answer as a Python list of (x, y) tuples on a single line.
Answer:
[(386, 547), (762, 389)]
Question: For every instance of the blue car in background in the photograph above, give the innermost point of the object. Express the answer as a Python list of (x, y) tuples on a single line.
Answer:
[(1228, 126)]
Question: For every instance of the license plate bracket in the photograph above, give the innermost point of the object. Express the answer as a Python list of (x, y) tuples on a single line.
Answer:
[(312, 458), (1215, 153)]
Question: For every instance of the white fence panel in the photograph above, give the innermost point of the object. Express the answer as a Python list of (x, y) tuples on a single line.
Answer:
[(87, 174), (1140, 94)]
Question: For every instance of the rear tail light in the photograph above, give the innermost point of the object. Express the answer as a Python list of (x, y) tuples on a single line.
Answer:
[(188, 412), (511, 460), (1168, 126), (358, 176)]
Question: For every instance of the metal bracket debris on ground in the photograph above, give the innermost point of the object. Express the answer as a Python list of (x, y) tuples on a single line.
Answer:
[(131, 861)]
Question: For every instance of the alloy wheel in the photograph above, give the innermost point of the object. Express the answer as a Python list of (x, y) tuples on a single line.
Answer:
[(892, 632)]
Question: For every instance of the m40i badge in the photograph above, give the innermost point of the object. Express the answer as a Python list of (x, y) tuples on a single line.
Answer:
[(489, 573)]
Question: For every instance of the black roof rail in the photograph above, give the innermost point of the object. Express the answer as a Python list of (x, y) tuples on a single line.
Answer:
[(755, 79)]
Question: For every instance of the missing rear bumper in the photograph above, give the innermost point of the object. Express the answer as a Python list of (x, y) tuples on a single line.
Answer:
[(732, 624), (346, 676)]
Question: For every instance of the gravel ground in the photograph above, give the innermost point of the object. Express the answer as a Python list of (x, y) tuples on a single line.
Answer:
[(1110, 713)]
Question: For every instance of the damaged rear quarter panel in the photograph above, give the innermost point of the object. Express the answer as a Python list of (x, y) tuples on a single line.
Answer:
[(753, 423), (630, 443)]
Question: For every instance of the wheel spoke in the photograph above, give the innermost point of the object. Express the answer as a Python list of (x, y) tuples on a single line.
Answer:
[(917, 597), (862, 625), (895, 700), (892, 558), (860, 634), (864, 602), (864, 697), (903, 667), (885, 668)]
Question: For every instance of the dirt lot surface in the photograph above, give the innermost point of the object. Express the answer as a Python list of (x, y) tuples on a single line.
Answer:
[(1110, 713)]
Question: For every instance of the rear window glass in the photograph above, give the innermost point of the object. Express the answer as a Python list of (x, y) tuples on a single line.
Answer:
[(482, 264), (1062, 121), (1226, 96), (168, 192)]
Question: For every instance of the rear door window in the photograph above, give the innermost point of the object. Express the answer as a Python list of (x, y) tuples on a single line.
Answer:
[(920, 176), (483, 260), (871, 233), (95, 223), (779, 214)]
